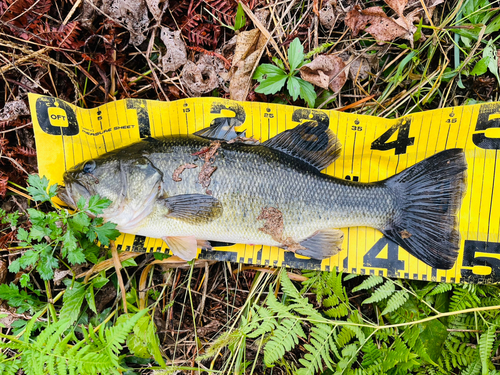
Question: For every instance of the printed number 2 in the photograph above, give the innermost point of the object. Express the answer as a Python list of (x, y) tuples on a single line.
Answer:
[(402, 141)]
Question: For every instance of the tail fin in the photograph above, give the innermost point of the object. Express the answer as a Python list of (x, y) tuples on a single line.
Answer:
[(428, 196)]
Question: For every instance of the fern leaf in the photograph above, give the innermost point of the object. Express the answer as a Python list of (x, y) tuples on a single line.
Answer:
[(441, 288), (382, 292), (117, 335), (396, 301), (284, 338), (485, 345), (319, 350), (266, 323), (371, 354), (345, 335), (337, 312), (369, 283), (8, 366), (474, 368)]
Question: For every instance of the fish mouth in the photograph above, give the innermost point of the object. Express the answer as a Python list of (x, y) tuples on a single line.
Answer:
[(72, 192)]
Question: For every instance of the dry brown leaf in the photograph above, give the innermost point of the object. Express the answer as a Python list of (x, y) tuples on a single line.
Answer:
[(382, 28), (154, 8), (12, 110), (176, 55), (326, 71), (332, 12), (397, 5), (359, 68), (415, 11), (3, 271), (201, 77), (249, 45), (133, 14)]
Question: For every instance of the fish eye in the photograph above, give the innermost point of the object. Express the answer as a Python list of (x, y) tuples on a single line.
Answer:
[(89, 166)]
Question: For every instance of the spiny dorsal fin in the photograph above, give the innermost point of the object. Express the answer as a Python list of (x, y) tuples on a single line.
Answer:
[(308, 142), (222, 130)]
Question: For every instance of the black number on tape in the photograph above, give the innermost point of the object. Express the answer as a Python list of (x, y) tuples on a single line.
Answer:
[(402, 141), (482, 260), (56, 117), (140, 106), (238, 110), (392, 264), (488, 118), (317, 123)]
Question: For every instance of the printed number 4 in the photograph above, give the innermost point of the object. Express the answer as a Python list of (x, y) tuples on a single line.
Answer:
[(402, 141)]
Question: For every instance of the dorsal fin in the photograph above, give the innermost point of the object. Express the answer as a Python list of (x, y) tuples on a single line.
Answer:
[(309, 142), (221, 129)]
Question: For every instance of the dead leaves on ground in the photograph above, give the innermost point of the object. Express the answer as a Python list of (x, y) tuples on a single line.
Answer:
[(383, 28), (325, 71)]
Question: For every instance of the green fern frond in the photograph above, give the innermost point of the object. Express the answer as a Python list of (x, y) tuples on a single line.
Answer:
[(464, 297), (344, 336), (263, 322), (396, 301), (8, 366), (382, 292), (369, 283), (322, 344), (441, 288), (474, 368), (337, 311), (485, 345), (284, 338), (371, 354)]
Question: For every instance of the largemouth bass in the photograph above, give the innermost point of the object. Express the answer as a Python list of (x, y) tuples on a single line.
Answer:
[(193, 189)]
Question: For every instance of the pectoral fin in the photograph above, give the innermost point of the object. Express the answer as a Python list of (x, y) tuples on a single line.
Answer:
[(323, 244), (184, 247), (193, 208)]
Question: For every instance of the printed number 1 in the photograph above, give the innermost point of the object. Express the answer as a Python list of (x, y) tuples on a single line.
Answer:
[(402, 141)]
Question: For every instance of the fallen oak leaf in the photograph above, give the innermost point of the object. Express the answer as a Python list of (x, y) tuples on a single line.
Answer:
[(325, 71)]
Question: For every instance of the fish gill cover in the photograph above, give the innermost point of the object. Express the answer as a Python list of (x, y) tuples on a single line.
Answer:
[(373, 150)]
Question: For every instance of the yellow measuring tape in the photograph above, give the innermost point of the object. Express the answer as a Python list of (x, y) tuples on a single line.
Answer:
[(373, 149)]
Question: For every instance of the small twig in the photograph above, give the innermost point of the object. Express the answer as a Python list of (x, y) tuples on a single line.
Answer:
[(355, 104), (118, 266), (227, 63)]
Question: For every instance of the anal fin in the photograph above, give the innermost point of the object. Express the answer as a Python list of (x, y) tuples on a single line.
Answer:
[(184, 247), (322, 244)]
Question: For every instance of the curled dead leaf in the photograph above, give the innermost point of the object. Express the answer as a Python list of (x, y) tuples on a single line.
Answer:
[(133, 14), (201, 77), (326, 71), (175, 55), (381, 27), (249, 45), (12, 110), (154, 8), (333, 11)]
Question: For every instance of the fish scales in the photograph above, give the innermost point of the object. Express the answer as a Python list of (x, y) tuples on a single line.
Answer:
[(250, 178)]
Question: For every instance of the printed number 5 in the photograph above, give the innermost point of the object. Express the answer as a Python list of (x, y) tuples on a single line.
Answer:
[(488, 118)]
